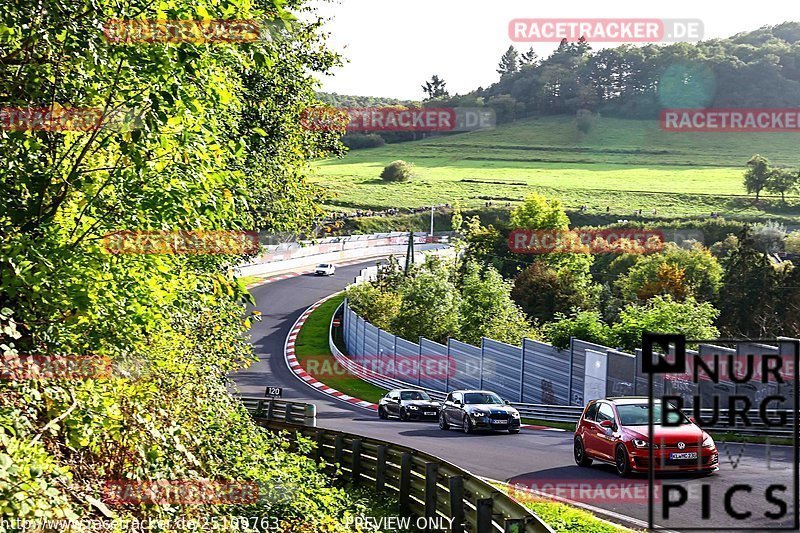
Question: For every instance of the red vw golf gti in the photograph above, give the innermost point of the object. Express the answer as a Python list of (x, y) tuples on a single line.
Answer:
[(615, 431)]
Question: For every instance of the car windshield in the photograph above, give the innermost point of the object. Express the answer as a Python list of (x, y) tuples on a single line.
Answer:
[(322, 266), (635, 414), (414, 395), (482, 397)]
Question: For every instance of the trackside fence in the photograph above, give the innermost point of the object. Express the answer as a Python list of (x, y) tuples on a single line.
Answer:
[(424, 485), (304, 414), (541, 381)]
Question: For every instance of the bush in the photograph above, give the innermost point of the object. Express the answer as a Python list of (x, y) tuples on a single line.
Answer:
[(398, 171), (662, 314), (584, 325), (792, 243), (355, 141)]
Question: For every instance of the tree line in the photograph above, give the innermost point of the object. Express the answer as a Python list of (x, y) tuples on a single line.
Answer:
[(758, 69)]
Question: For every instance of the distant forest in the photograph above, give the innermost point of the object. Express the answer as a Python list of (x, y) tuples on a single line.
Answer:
[(752, 69)]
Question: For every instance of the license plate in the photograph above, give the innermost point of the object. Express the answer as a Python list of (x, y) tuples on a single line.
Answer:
[(430, 413), (500, 422), (684, 455)]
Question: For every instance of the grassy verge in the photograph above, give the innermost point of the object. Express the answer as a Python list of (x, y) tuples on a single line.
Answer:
[(560, 516), (314, 355), (248, 280), (567, 426)]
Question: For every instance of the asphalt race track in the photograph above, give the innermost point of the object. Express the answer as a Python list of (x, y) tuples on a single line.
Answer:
[(533, 457)]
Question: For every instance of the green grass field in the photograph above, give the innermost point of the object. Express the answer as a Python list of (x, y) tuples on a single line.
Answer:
[(622, 164), (314, 355)]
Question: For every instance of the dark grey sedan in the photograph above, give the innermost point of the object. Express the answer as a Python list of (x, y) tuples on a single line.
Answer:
[(408, 404), (469, 410)]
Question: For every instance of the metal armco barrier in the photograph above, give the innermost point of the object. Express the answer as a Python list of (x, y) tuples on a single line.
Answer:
[(303, 414), (425, 485)]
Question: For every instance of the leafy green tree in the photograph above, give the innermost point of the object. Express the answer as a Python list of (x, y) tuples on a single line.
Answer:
[(757, 175), (193, 136), (509, 62), (782, 181), (484, 243), (430, 305), (435, 88), (537, 212), (662, 314), (529, 58), (542, 291), (676, 272), (378, 307), (720, 249), (487, 309), (752, 303), (584, 325)]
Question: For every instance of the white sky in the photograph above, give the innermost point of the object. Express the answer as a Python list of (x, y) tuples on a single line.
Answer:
[(394, 46)]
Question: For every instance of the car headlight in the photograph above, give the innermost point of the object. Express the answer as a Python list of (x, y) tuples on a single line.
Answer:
[(639, 443), (478, 413), (708, 442), (413, 407), (514, 414)]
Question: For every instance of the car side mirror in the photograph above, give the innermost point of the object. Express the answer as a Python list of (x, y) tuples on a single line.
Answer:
[(608, 424), (692, 420), (507, 402), (457, 402)]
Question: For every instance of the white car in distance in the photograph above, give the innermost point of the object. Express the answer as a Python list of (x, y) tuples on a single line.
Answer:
[(325, 269)]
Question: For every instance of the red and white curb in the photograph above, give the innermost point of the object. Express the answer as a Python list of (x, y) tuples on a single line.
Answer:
[(308, 379)]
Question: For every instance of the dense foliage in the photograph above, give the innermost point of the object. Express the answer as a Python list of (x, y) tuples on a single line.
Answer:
[(210, 139), (441, 299)]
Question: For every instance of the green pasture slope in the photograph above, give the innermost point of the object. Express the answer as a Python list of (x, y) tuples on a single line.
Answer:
[(621, 163)]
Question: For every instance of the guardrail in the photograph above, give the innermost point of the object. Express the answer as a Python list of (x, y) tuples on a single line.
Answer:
[(552, 413), (425, 485), (272, 409)]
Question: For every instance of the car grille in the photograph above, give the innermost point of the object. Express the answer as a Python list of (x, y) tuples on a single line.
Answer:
[(643, 461), (499, 416)]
